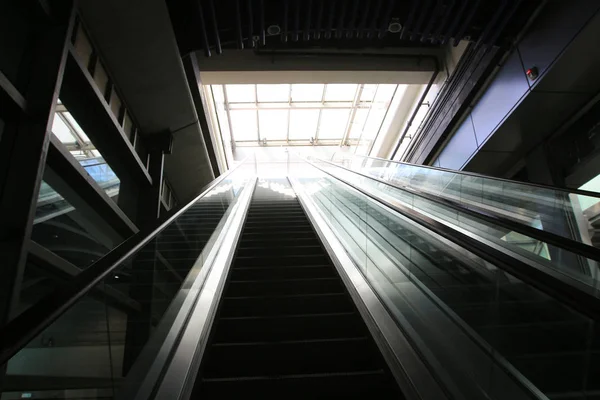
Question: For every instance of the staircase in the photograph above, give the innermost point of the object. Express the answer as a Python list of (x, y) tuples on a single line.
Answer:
[(286, 326)]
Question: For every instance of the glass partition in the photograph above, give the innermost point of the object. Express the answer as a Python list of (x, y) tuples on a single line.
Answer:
[(492, 334), (545, 208), (100, 339), (545, 256)]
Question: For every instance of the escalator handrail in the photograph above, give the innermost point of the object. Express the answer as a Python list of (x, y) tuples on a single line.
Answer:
[(17, 333), (568, 244), (476, 175), (577, 298)]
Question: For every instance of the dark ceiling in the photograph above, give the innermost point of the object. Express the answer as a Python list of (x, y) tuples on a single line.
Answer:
[(216, 25)]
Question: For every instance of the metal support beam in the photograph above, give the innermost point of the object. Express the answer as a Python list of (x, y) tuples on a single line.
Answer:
[(23, 150), (11, 100), (86, 103), (85, 191)]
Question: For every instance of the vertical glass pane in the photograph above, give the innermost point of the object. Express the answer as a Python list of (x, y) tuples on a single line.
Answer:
[(273, 93), (101, 78), (273, 124), (333, 123), (115, 104), (243, 123), (307, 92), (240, 93), (303, 124), (340, 92), (67, 231), (82, 46)]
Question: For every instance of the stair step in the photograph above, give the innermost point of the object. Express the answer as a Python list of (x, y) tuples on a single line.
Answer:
[(359, 385), (275, 273), (291, 358), (280, 234), (330, 303), (277, 250), (279, 241), (281, 287), (281, 261), (297, 327)]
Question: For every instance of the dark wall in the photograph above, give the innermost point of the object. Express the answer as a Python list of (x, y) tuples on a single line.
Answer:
[(515, 114)]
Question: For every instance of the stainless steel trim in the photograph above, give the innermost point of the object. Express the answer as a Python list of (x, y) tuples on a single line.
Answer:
[(413, 376), (168, 331), (180, 375)]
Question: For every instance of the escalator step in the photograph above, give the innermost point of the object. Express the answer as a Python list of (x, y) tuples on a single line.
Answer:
[(287, 286), (299, 327), (286, 305), (282, 261), (291, 358), (249, 251), (360, 385), (275, 273)]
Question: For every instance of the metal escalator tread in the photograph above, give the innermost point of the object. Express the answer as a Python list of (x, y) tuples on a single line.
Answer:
[(286, 326)]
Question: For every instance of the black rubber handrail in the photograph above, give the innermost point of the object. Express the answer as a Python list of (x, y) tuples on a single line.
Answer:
[(21, 330), (476, 175), (570, 245), (581, 298)]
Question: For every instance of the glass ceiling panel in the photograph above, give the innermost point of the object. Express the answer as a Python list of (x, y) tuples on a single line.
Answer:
[(358, 123), (243, 123), (62, 131), (76, 126), (303, 124), (373, 123), (307, 92), (273, 124), (384, 93), (368, 92), (333, 123), (270, 93), (241, 93), (299, 112), (340, 92)]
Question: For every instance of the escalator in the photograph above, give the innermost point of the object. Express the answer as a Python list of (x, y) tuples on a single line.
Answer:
[(304, 287), (547, 341), (286, 326)]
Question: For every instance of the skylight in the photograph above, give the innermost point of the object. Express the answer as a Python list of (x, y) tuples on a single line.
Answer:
[(301, 114)]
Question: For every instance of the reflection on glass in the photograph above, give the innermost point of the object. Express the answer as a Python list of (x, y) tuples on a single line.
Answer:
[(91, 349), (66, 231), (472, 317)]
